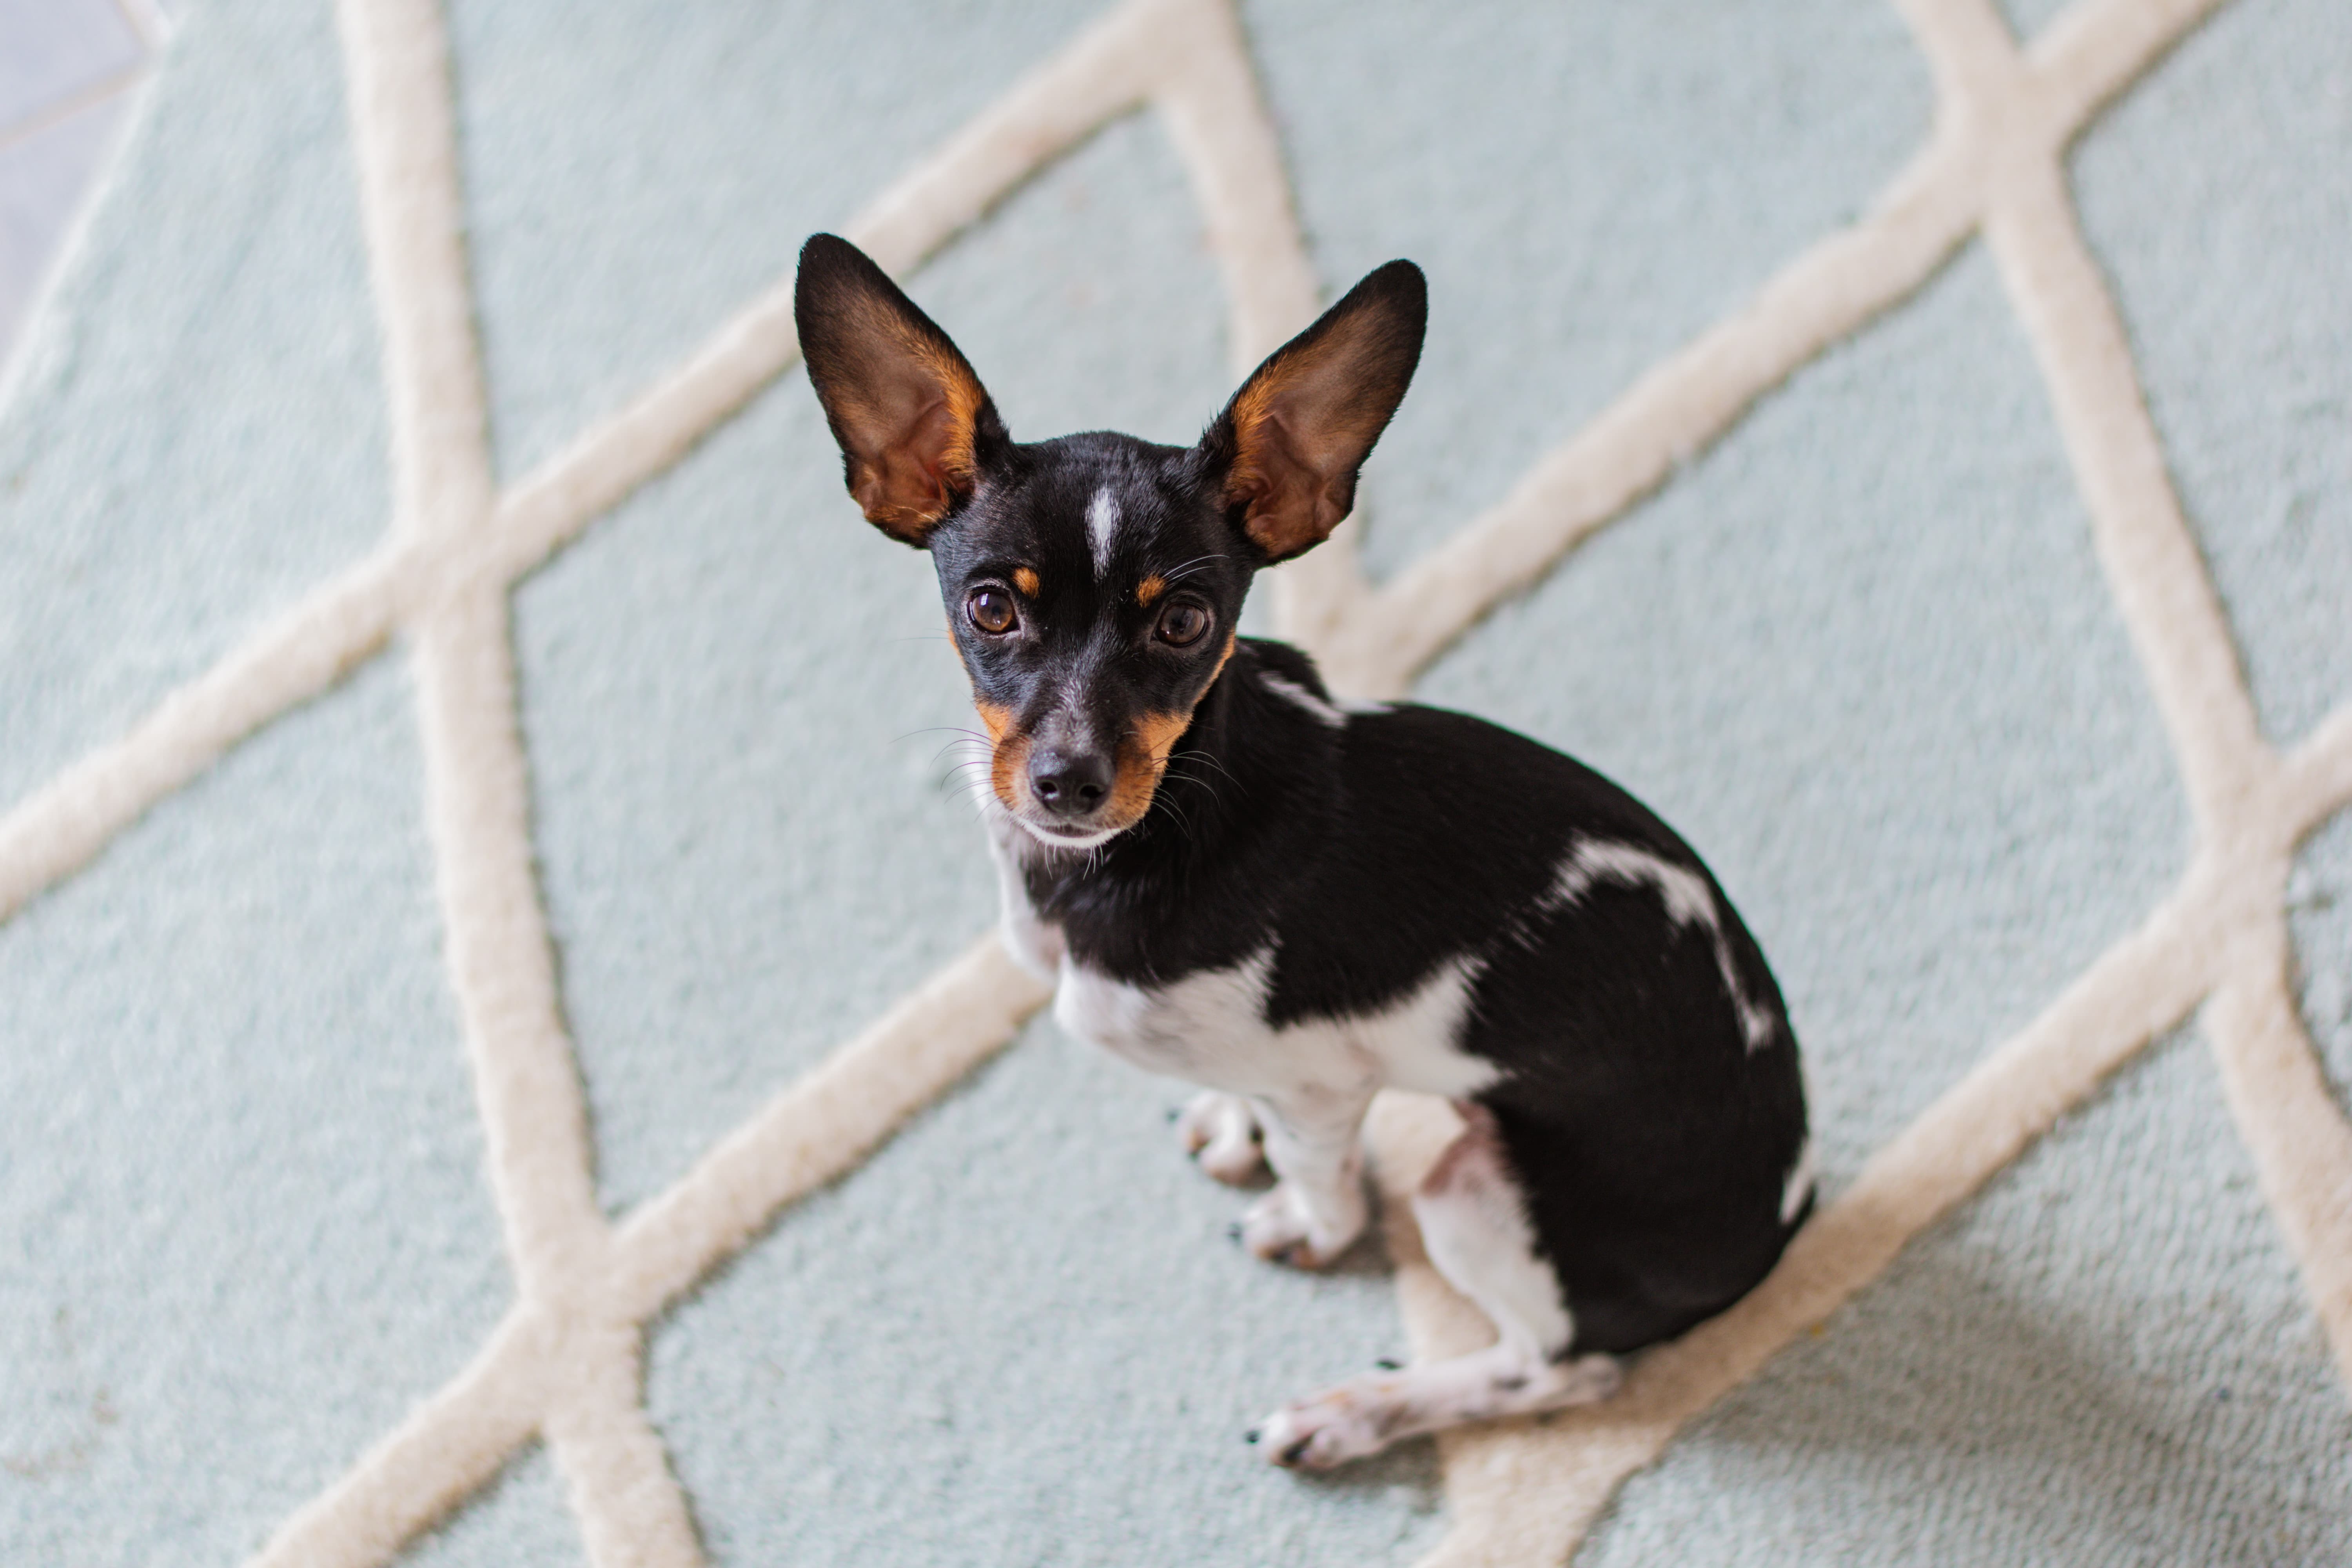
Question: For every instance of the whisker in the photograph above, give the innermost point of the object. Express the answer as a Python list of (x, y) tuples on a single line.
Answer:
[(1198, 563), (1183, 818), (940, 730), (1202, 785), (976, 798), (1204, 756)]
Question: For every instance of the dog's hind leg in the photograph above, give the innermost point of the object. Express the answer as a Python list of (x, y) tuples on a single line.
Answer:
[(1474, 1225)]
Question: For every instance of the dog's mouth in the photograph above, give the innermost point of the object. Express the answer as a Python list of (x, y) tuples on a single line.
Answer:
[(1067, 836)]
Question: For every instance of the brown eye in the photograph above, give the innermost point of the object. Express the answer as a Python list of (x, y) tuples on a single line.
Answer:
[(991, 609), (1183, 624)]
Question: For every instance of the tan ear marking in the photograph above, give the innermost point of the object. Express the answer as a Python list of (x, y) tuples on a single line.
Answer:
[(964, 397), (1295, 434), (1026, 581), (1248, 480), (910, 469), (907, 412)]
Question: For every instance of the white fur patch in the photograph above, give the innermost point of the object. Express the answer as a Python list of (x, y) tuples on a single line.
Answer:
[(1291, 692), (1689, 900), (1102, 526), (1473, 1222), (1799, 1185), (1220, 1131), (1308, 1084), (1033, 944), (1210, 1028), (1055, 838)]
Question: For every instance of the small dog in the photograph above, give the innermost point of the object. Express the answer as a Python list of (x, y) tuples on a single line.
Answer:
[(1340, 899)]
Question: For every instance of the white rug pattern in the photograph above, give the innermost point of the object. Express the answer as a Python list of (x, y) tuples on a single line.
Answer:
[(565, 1366)]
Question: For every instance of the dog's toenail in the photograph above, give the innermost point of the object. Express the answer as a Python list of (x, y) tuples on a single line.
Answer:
[(1385, 1364), (1173, 1112), (1234, 1231), (1251, 1435)]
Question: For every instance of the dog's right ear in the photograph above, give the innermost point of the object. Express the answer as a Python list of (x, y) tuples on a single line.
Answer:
[(912, 419)]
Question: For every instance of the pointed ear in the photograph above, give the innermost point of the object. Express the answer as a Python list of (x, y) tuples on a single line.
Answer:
[(912, 419), (1291, 440)]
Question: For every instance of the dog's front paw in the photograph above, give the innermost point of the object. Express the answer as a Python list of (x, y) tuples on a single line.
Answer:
[(1282, 1227), (1220, 1130), (1322, 1433)]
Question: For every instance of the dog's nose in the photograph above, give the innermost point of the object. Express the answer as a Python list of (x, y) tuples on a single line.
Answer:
[(1069, 784)]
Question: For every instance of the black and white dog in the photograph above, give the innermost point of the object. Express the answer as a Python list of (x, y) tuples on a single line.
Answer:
[(1335, 901)]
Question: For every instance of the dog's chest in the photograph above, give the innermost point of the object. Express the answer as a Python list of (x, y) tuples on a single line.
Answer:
[(1207, 1027), (1210, 1028)]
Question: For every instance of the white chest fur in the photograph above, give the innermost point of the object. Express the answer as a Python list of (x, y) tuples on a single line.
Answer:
[(1210, 1028)]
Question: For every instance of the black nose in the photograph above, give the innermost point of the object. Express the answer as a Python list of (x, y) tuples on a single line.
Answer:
[(1068, 784)]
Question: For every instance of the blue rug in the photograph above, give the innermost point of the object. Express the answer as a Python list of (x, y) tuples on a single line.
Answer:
[(502, 1061)]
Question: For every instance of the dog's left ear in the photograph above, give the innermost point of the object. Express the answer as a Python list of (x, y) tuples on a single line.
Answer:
[(1291, 440), (913, 421)]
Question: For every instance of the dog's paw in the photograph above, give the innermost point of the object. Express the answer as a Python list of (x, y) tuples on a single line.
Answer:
[(1322, 1433), (1367, 1415), (1220, 1130), (1281, 1229)]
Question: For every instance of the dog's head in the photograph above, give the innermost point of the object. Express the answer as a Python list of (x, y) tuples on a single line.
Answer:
[(1093, 583)]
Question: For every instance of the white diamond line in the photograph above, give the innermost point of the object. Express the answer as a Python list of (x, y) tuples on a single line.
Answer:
[(457, 547), (632, 1511)]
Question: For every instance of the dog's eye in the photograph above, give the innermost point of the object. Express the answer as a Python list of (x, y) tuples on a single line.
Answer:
[(1183, 624), (991, 609)]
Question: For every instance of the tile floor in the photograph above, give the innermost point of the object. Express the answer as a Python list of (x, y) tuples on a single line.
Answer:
[(68, 71)]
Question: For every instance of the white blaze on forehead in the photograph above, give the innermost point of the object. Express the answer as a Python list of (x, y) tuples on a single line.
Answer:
[(1102, 522)]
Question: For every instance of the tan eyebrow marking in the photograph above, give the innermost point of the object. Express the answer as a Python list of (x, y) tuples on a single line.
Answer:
[(1026, 581), (1150, 588)]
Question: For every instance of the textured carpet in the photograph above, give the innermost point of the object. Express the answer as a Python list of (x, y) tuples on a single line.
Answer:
[(500, 1056)]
